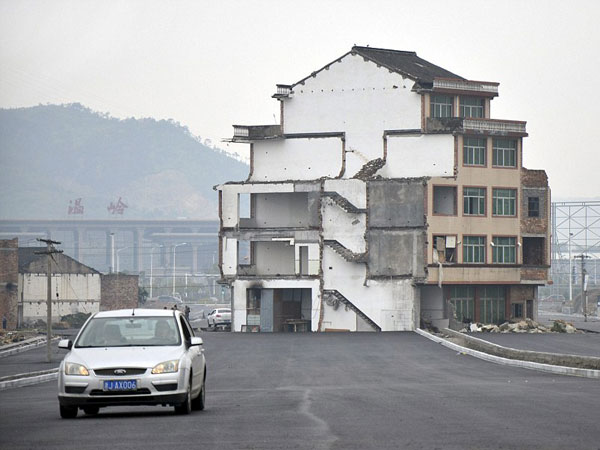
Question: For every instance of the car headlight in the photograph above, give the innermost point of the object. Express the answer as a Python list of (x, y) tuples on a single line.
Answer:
[(166, 367), (75, 369)]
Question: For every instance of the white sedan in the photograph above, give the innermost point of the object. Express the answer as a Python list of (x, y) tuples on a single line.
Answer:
[(220, 316), (132, 357)]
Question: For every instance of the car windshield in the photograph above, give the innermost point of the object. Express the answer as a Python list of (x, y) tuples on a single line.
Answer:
[(129, 332)]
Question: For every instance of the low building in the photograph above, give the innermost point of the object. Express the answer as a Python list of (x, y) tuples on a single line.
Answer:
[(386, 196)]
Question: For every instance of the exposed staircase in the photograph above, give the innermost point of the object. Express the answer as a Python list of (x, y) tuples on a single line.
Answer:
[(333, 297), (346, 253), (343, 203), (369, 169)]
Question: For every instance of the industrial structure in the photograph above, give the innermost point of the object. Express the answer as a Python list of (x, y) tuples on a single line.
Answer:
[(386, 196)]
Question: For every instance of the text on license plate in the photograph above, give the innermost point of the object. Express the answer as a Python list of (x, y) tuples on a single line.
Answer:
[(120, 385)]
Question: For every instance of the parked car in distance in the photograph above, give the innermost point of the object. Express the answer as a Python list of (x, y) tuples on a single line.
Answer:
[(132, 357), (219, 316)]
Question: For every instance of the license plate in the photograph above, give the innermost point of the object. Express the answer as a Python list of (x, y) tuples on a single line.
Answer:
[(120, 385)]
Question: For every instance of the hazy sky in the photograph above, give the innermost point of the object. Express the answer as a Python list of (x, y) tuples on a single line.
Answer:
[(210, 64)]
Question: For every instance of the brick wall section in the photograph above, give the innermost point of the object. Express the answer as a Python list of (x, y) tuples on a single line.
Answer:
[(534, 184), (528, 273), (118, 291), (521, 293), (9, 278)]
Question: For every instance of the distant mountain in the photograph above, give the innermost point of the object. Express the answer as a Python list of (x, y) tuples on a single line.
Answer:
[(52, 155)]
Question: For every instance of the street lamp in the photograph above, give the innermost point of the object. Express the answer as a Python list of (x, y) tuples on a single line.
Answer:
[(118, 256), (151, 256), (174, 247)]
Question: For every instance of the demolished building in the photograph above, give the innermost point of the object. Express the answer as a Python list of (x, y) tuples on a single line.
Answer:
[(385, 196)]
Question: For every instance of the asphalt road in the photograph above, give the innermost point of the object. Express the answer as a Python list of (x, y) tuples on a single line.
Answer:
[(587, 344), (339, 391)]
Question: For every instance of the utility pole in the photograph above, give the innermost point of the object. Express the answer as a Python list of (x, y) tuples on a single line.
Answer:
[(583, 285), (50, 250)]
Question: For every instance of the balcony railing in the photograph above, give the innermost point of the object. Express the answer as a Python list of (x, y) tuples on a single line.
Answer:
[(246, 133), (478, 126), (283, 90), (466, 85)]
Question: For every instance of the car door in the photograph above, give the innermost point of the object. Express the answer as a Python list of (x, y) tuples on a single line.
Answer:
[(194, 353)]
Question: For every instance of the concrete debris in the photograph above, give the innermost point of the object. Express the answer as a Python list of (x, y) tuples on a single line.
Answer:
[(12, 337), (523, 326)]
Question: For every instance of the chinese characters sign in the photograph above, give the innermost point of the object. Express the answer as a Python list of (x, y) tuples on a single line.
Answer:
[(117, 208)]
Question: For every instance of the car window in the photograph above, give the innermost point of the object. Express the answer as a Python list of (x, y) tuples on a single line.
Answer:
[(129, 332)]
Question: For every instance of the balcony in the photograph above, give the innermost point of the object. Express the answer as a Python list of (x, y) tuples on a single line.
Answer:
[(467, 125), (250, 133), (487, 88), (283, 91)]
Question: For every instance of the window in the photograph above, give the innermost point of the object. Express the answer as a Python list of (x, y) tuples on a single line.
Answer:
[(504, 153), (492, 304), (471, 107), (533, 206), (462, 298), (474, 151), (504, 250), (516, 310), (474, 249), (441, 106), (504, 202), (474, 201)]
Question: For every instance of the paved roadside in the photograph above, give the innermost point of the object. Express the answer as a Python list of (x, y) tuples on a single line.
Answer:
[(587, 344), (592, 324)]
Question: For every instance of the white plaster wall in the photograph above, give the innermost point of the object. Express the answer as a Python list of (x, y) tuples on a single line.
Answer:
[(239, 298), (355, 191), (274, 258), (297, 159), (76, 293), (229, 266), (313, 257), (418, 156), (359, 98), (347, 229), (281, 209), (379, 300)]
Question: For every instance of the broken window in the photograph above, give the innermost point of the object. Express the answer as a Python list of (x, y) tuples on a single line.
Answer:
[(533, 251), (474, 201), (244, 253), (474, 249), (474, 150), (533, 206), (444, 200), (444, 249), (471, 106), (442, 105), (504, 202)]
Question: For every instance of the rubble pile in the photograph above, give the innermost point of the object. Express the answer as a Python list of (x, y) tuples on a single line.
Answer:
[(11, 337), (524, 326)]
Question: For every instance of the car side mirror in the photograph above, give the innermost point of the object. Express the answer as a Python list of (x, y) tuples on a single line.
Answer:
[(196, 341), (65, 343)]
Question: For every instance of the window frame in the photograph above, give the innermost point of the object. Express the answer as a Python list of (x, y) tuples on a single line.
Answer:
[(496, 150), (537, 215), (463, 107), (466, 147), (482, 246), (502, 201), (497, 246), (436, 105), (484, 189)]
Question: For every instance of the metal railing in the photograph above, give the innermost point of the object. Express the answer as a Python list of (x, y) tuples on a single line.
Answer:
[(466, 85)]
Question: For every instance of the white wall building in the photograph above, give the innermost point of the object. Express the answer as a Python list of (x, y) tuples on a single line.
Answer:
[(336, 236)]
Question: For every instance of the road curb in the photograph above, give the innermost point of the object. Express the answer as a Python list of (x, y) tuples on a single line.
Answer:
[(22, 346), (560, 370), (27, 379)]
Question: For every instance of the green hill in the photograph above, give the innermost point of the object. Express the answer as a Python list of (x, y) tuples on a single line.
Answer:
[(51, 155)]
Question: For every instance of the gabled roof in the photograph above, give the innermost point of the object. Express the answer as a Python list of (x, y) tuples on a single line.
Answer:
[(407, 64), (32, 262)]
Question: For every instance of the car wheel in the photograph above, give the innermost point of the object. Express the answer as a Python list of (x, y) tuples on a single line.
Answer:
[(91, 410), (68, 412), (199, 402), (186, 406)]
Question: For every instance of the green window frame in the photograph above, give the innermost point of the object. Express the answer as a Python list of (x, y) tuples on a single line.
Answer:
[(474, 201), (492, 304), (472, 107), (504, 250), (504, 202), (463, 300), (474, 249), (504, 153), (474, 150), (441, 105)]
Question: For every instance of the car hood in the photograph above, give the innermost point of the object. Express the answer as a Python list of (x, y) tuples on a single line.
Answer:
[(106, 357)]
